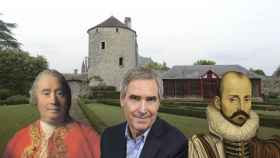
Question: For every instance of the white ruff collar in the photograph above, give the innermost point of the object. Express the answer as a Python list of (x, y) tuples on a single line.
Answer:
[(221, 127)]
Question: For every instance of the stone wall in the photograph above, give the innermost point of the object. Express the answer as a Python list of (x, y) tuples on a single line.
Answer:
[(104, 63), (271, 85), (78, 84)]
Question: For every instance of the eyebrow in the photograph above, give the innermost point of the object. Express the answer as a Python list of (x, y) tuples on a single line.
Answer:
[(45, 90), (132, 96), (151, 98), (234, 96), (48, 90)]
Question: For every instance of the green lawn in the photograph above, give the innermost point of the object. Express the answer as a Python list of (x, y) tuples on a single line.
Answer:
[(103, 116), (12, 118)]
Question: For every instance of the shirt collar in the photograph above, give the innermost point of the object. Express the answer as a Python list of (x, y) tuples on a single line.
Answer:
[(142, 136)]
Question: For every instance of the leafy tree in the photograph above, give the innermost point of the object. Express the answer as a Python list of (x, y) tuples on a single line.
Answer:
[(18, 70), (276, 73), (156, 66), (258, 71), (204, 62), (7, 41)]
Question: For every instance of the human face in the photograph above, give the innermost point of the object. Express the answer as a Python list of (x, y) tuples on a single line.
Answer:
[(51, 100), (140, 105), (236, 99)]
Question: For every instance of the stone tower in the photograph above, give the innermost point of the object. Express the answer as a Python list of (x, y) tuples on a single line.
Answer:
[(112, 51)]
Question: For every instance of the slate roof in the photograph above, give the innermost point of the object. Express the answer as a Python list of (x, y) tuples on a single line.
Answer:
[(196, 71), (111, 22)]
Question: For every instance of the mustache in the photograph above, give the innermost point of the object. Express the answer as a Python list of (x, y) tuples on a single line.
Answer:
[(240, 112)]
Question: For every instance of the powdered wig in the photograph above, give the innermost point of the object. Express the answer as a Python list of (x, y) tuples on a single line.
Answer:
[(65, 86), (140, 73)]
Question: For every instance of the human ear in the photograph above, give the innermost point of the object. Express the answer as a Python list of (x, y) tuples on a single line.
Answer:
[(217, 102), (122, 100)]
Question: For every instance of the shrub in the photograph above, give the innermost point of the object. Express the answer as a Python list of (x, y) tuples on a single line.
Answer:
[(273, 95), (84, 100), (5, 93), (17, 99), (104, 95), (2, 102), (114, 102)]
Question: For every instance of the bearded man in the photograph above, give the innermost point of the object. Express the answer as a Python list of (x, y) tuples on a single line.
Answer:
[(233, 125)]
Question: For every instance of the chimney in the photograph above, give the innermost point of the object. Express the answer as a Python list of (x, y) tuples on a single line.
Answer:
[(127, 21)]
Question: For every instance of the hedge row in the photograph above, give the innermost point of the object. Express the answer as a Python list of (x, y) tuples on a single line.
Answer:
[(266, 121), (100, 94), (16, 99)]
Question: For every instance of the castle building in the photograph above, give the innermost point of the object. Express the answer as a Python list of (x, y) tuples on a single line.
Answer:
[(112, 52)]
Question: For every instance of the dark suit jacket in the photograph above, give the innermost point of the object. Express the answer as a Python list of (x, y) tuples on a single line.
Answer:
[(163, 141)]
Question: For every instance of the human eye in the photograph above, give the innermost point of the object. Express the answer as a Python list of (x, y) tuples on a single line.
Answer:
[(134, 97), (60, 93), (151, 99), (46, 92), (247, 98), (233, 99)]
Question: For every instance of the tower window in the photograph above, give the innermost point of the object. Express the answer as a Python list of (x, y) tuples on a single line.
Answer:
[(121, 61), (102, 45)]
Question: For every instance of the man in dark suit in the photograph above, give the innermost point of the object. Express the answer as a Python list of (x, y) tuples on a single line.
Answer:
[(143, 134)]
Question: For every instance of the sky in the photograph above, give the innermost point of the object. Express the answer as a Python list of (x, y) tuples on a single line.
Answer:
[(243, 32)]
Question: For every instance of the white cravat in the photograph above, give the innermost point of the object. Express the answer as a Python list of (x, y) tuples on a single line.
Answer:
[(47, 131)]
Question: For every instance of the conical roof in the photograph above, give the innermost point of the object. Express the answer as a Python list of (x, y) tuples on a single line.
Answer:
[(111, 22)]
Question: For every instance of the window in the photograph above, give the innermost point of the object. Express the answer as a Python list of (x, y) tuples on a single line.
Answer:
[(117, 29), (121, 61), (102, 45), (96, 30)]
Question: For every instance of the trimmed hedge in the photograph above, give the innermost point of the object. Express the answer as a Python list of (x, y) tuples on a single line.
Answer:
[(5, 93), (176, 103), (16, 99), (198, 112), (104, 95), (114, 102)]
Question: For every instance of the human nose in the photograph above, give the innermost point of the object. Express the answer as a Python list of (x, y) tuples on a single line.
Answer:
[(143, 108), (53, 98), (241, 105)]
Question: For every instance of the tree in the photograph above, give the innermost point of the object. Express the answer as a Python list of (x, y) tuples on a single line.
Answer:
[(18, 70), (204, 62), (7, 41), (156, 66), (258, 71), (276, 73)]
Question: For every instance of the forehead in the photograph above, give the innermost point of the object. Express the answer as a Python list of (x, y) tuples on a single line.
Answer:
[(48, 81), (143, 88), (236, 84)]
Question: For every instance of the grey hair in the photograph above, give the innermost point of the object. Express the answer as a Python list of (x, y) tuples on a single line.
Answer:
[(141, 73), (65, 86)]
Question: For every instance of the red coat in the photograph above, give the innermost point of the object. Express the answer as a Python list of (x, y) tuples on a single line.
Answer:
[(74, 140)]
